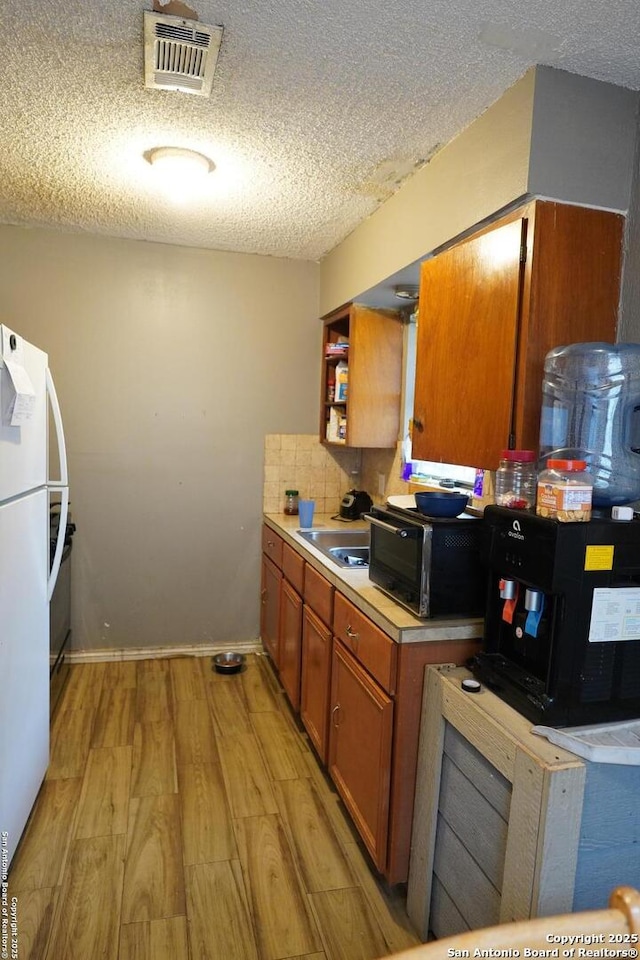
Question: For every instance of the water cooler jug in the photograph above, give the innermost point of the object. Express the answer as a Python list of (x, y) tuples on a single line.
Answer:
[(591, 411)]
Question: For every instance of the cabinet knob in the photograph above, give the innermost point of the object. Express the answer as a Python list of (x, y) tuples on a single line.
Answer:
[(418, 424), (352, 635), (334, 715)]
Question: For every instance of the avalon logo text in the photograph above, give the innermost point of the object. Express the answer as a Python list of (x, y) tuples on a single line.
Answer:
[(516, 531)]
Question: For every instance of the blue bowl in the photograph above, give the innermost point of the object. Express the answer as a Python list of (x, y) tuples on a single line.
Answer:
[(439, 504)]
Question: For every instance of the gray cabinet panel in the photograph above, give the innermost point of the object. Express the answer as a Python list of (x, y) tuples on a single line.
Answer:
[(478, 826), (491, 784), (476, 898), (446, 919)]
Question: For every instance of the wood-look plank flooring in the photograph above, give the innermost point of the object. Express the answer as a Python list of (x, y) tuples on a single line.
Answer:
[(185, 817)]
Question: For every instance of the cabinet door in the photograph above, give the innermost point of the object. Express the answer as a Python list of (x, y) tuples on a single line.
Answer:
[(290, 642), (270, 609), (360, 736), (466, 353), (315, 682)]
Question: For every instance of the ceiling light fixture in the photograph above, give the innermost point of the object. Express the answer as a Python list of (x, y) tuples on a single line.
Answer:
[(180, 171), (406, 291)]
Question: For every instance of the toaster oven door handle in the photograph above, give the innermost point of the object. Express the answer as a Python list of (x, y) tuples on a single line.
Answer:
[(399, 531)]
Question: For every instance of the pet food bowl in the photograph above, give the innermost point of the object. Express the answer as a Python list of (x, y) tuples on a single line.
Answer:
[(228, 662)]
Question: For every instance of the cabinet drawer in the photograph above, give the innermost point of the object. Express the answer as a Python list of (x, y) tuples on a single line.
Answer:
[(272, 545), (318, 594), (373, 648), (293, 567)]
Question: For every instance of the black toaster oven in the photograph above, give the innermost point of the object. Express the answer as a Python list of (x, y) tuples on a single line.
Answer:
[(432, 566)]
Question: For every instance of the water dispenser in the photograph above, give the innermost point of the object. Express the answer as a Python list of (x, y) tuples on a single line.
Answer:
[(591, 411)]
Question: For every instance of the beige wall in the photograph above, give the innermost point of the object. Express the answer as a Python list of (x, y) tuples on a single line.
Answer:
[(552, 134), (171, 366), (479, 172)]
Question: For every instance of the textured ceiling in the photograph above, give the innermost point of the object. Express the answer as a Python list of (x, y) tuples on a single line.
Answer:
[(318, 109)]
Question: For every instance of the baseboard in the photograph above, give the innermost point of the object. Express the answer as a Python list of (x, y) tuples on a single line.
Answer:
[(159, 653)]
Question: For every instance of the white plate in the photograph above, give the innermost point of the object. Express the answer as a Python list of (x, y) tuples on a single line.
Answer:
[(404, 500)]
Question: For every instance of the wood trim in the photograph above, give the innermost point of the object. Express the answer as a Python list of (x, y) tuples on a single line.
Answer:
[(425, 808), (104, 655)]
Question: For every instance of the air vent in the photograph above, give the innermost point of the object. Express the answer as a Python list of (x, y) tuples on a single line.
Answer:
[(179, 54)]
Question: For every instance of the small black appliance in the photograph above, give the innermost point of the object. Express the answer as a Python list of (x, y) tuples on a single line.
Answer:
[(562, 617), (354, 504)]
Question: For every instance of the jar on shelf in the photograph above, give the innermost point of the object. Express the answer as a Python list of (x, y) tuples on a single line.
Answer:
[(565, 491), (515, 484), (291, 503)]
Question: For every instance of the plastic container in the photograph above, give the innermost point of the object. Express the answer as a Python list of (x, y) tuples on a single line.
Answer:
[(591, 411), (291, 503), (565, 491), (516, 479)]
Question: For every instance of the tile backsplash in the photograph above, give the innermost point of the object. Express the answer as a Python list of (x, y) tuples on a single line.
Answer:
[(301, 462)]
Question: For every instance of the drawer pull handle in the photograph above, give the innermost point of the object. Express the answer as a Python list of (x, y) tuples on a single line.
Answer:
[(352, 636), (263, 594), (271, 543), (334, 715)]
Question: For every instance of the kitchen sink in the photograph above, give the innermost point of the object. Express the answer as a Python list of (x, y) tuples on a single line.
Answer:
[(347, 548), (350, 556)]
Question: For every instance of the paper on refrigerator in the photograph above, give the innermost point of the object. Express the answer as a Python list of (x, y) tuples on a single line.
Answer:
[(17, 395)]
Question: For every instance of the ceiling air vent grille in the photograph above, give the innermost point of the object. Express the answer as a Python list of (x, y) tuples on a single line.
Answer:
[(179, 54)]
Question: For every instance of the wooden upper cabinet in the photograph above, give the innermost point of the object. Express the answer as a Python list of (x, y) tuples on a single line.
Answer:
[(370, 416), (490, 310)]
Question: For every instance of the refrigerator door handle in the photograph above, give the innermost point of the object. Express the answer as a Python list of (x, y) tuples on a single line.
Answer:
[(62, 527), (57, 419), (60, 485)]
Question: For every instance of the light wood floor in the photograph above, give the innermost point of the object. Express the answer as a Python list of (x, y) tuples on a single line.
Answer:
[(184, 817)]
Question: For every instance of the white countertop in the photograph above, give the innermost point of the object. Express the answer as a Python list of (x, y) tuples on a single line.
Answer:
[(354, 583)]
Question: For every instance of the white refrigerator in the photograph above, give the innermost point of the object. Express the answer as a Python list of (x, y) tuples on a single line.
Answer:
[(27, 403)]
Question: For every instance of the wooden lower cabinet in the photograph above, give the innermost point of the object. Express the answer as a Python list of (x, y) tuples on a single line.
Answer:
[(358, 692), (360, 737), (290, 642), (316, 675), (270, 608)]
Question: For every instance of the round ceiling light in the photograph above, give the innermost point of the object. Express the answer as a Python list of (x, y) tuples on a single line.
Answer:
[(180, 171)]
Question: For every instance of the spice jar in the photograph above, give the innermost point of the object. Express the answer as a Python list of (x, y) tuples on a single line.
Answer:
[(515, 485), (291, 503), (565, 491)]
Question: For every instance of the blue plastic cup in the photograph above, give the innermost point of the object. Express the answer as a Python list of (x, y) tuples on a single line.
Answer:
[(305, 512)]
